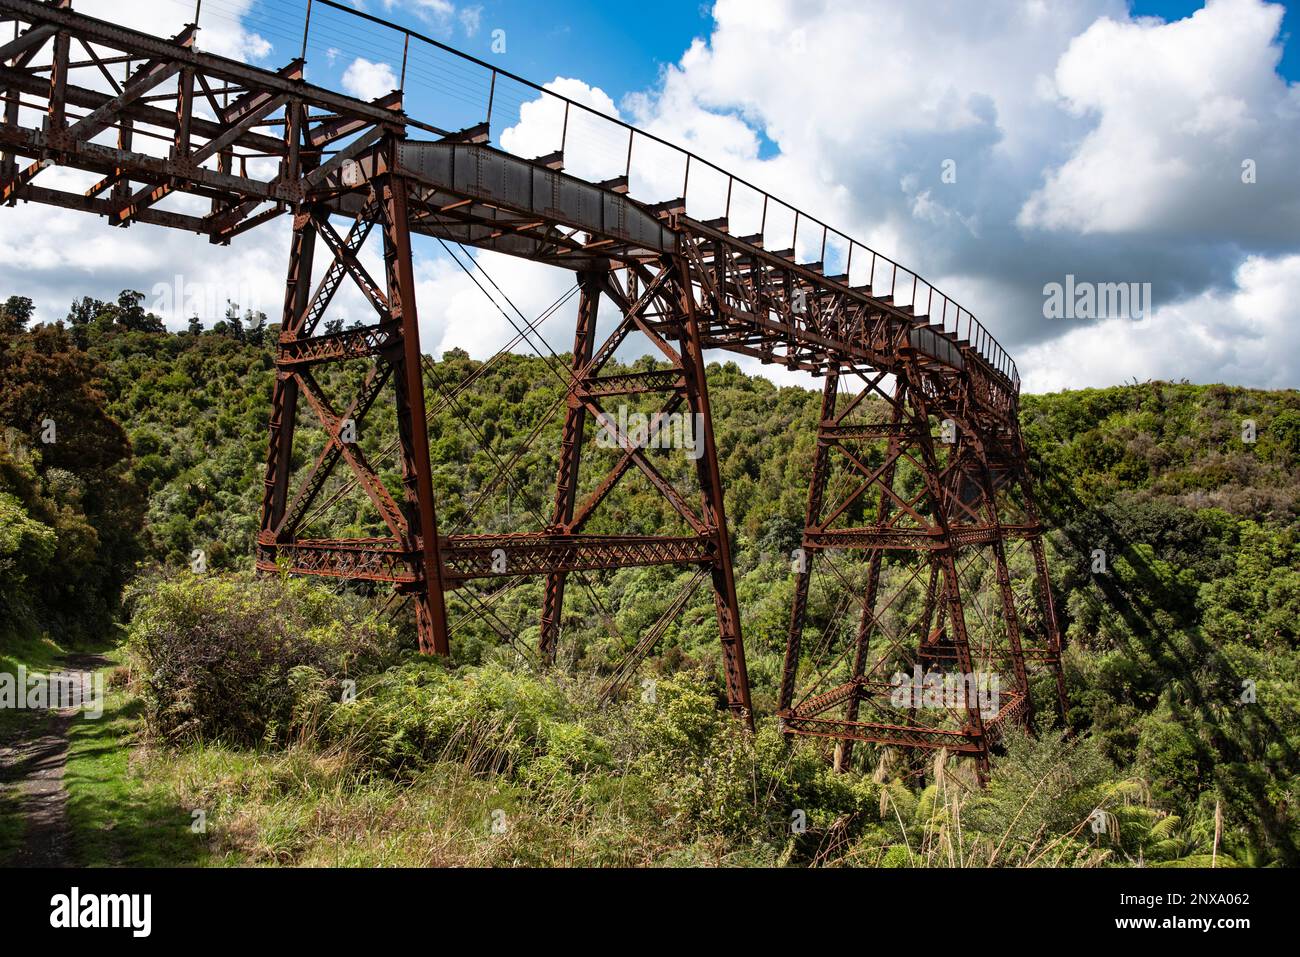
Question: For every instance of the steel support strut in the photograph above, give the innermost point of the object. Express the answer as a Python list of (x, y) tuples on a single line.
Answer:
[(284, 399), (867, 620), (803, 568), (946, 558), (713, 513), (417, 476), (566, 483)]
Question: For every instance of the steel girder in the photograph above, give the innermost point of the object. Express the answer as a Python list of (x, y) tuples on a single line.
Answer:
[(469, 557), (254, 142), (539, 553)]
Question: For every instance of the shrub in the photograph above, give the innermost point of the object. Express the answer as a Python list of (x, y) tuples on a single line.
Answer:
[(712, 777), (488, 718), (244, 659)]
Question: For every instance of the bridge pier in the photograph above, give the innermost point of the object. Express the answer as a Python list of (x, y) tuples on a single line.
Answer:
[(943, 506), (393, 346), (658, 303), (566, 480)]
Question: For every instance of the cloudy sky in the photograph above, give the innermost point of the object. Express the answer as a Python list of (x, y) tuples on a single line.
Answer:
[(994, 147)]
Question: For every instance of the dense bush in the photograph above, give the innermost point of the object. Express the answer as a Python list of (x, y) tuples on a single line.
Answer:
[(715, 778), (243, 660), (487, 718), (70, 510), (676, 762)]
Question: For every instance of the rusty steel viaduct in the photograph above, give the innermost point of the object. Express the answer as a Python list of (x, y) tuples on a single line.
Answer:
[(918, 418)]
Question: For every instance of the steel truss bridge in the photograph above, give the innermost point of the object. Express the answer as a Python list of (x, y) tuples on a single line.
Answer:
[(919, 464)]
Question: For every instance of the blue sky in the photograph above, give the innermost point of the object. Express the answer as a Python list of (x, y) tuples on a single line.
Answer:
[(620, 45)]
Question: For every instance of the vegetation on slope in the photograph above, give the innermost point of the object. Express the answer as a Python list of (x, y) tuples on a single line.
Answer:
[(1196, 614)]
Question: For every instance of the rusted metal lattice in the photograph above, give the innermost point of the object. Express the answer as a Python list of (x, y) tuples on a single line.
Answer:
[(919, 466)]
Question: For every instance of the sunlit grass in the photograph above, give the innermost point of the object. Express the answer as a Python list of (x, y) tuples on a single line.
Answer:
[(118, 812)]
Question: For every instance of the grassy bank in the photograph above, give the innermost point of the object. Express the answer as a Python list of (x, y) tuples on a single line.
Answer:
[(119, 811), (496, 765), (487, 766), (37, 654)]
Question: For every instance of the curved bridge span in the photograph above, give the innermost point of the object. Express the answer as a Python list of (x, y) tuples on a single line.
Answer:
[(918, 464)]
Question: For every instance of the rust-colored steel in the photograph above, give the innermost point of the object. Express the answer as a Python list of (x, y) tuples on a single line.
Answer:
[(956, 509), (410, 558), (566, 482), (421, 518), (922, 471)]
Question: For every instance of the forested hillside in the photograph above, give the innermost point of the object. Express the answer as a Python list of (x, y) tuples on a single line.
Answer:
[(1183, 659)]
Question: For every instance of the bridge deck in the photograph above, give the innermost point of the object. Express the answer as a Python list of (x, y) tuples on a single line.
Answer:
[(762, 302)]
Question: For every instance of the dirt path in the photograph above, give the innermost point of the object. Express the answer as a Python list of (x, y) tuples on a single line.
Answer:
[(34, 764)]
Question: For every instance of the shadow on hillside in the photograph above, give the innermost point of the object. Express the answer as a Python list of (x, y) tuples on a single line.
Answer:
[(1246, 748)]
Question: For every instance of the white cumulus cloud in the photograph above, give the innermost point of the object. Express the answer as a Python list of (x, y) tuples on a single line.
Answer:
[(369, 81), (1178, 109), (1244, 335)]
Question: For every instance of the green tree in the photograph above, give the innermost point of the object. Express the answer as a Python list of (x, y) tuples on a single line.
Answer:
[(131, 314), (234, 325), (15, 313)]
